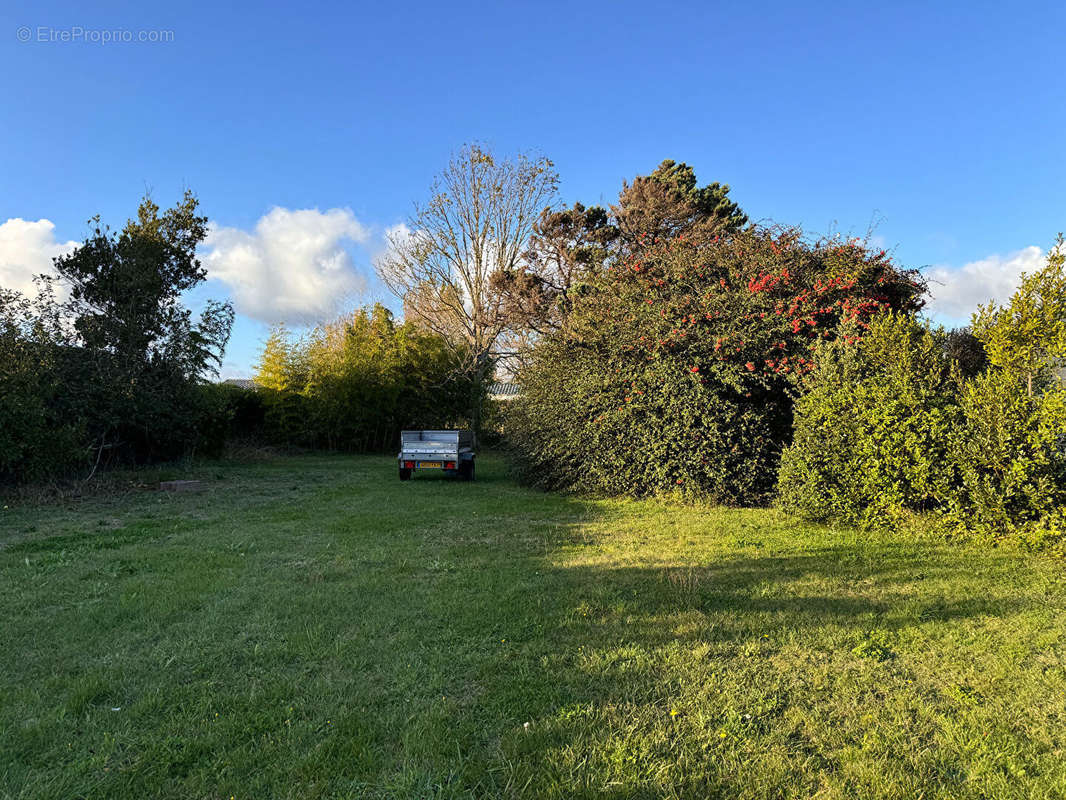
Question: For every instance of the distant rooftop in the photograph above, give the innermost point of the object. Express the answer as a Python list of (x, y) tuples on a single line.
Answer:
[(500, 390), (497, 389), (244, 383)]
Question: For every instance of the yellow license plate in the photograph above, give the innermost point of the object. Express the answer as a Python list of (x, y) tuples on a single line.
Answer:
[(430, 464)]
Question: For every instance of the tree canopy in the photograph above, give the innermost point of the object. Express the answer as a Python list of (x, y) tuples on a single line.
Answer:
[(670, 203), (119, 365), (571, 246), (1027, 336), (477, 222)]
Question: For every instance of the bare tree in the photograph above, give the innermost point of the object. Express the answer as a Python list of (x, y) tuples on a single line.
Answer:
[(477, 222)]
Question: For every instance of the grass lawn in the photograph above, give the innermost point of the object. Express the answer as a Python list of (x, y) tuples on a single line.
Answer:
[(313, 627)]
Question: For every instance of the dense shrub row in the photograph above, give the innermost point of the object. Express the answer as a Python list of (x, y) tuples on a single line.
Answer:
[(677, 366), (890, 425), (105, 366), (893, 424), (756, 365), (354, 384)]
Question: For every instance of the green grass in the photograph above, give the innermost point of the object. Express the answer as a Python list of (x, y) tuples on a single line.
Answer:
[(313, 627)]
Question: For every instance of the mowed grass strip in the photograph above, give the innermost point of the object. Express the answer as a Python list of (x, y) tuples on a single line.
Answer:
[(313, 627)]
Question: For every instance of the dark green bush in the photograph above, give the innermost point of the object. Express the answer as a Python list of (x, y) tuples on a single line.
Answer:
[(39, 434), (225, 413), (675, 369), (675, 434), (247, 409), (966, 350), (285, 419)]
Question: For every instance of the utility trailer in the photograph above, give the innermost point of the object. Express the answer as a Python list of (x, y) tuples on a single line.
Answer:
[(450, 451)]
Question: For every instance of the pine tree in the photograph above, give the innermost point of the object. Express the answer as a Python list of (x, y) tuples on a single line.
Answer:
[(669, 203)]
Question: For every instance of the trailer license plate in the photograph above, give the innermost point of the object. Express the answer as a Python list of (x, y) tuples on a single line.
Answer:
[(430, 464)]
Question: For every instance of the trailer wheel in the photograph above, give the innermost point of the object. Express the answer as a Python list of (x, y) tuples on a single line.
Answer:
[(466, 470), (405, 474)]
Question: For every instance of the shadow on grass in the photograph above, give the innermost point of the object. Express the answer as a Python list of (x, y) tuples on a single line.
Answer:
[(595, 658), (417, 626)]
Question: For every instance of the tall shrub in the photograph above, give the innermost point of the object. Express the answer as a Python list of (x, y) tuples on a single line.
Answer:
[(1011, 453), (676, 369), (142, 354), (353, 384), (1027, 336), (874, 426), (1011, 458), (912, 420)]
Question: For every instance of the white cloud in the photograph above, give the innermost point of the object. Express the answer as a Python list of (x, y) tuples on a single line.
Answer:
[(26, 250), (293, 267), (396, 234), (956, 292), (394, 237)]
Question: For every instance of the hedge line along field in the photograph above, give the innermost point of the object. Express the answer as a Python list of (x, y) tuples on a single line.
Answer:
[(311, 627)]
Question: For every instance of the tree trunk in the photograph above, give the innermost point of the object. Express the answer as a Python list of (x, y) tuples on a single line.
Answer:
[(482, 371)]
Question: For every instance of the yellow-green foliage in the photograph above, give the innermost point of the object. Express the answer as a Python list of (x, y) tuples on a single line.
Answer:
[(889, 425), (874, 428), (1011, 454), (1027, 337), (281, 364), (1010, 457), (354, 383)]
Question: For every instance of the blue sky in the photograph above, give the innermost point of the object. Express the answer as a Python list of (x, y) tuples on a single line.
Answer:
[(942, 121)]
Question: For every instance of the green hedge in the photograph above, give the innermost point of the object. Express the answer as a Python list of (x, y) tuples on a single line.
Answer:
[(675, 369), (874, 427), (1011, 458), (889, 427), (354, 384)]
